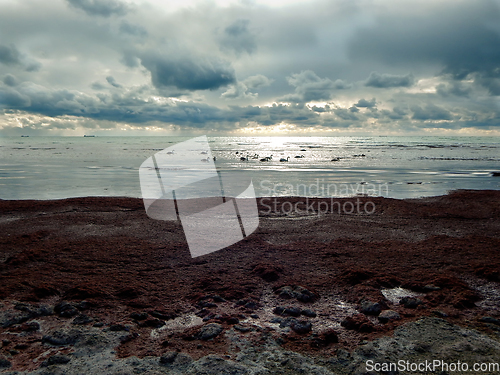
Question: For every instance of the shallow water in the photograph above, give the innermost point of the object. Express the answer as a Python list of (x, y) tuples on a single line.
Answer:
[(396, 167)]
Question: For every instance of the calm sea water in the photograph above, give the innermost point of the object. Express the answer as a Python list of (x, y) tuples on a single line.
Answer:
[(397, 167)]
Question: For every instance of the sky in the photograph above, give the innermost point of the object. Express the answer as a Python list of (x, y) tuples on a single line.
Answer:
[(245, 67)]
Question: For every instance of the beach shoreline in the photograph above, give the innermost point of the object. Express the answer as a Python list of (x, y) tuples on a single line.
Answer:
[(102, 262)]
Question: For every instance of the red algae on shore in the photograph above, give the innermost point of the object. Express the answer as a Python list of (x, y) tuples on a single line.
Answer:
[(304, 282)]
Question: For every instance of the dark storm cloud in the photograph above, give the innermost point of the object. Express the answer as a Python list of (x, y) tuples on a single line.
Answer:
[(10, 80), (104, 8), (238, 38), (363, 103), (9, 55), (134, 30), (188, 73), (310, 87), (389, 80), (346, 114), (461, 37), (430, 112), (455, 88), (129, 107), (111, 80)]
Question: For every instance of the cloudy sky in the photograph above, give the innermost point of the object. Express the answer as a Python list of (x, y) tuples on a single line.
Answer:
[(246, 67)]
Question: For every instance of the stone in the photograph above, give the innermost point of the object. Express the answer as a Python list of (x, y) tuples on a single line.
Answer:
[(82, 319), (4, 362), (431, 288), (243, 329), (279, 310), (371, 308), (358, 322), (410, 302), (139, 316), (168, 358), (58, 359), (308, 313), (388, 315), (65, 310), (62, 338), (117, 327), (292, 311), (30, 327), (301, 326), (210, 331), (489, 319)]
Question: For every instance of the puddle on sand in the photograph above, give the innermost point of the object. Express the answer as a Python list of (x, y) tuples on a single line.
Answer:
[(395, 294)]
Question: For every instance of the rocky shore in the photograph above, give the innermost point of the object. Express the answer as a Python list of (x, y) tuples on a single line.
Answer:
[(93, 286)]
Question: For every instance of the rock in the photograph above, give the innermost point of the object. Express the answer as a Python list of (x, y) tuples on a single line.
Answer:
[(82, 319), (232, 320), (218, 299), (210, 331), (357, 322), (308, 313), (410, 302), (5, 342), (206, 304), (371, 308), (4, 363), (489, 319), (388, 315), (298, 292), (287, 311), (279, 310), (58, 359), (98, 324), (440, 314), (62, 338), (30, 327), (168, 358), (325, 338), (65, 310), (117, 327), (26, 312), (21, 346), (126, 338), (139, 316), (292, 311), (153, 323), (287, 322), (243, 329), (431, 288), (162, 315), (251, 305), (301, 326)]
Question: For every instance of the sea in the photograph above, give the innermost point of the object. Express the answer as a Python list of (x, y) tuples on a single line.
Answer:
[(396, 167)]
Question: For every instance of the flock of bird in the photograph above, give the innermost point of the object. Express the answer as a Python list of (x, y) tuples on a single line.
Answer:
[(257, 157), (282, 160)]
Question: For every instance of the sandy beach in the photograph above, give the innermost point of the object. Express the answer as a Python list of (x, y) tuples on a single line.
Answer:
[(92, 285)]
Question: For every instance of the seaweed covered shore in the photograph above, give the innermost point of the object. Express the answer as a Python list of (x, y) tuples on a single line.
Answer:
[(92, 285)]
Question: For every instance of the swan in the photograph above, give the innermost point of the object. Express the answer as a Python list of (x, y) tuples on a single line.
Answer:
[(170, 152), (204, 152), (299, 156), (206, 160), (283, 159)]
